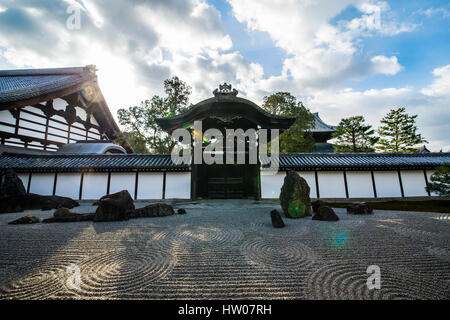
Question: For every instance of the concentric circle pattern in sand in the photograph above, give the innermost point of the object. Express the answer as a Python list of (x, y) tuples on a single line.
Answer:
[(211, 236), (123, 271), (228, 250), (349, 280), (40, 284), (285, 254)]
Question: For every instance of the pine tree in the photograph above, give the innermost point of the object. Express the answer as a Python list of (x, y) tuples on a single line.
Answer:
[(440, 180), (398, 132), (353, 135)]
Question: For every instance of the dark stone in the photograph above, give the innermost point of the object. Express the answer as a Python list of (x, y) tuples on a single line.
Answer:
[(317, 204), (11, 184), (325, 213), (359, 208), (181, 211), (29, 218), (277, 221), (61, 212), (294, 196), (114, 207), (153, 210), (33, 201), (74, 217)]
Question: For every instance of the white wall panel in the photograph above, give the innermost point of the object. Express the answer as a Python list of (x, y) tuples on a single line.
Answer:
[(150, 185), (311, 180), (8, 129), (42, 183), (34, 110), (123, 181), (68, 185), (178, 185), (60, 104), (429, 173), (414, 183), (94, 185), (271, 185), (387, 184), (359, 184), (331, 184), (6, 116), (81, 113), (30, 133), (94, 121), (24, 177), (32, 117)]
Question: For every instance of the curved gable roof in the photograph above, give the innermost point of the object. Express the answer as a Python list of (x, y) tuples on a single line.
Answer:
[(226, 105)]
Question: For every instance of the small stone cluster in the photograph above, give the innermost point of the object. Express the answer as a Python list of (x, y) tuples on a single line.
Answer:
[(113, 207), (296, 203)]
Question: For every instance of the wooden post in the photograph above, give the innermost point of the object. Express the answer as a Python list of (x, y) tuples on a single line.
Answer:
[(346, 185), (426, 182), (373, 184), (401, 183), (317, 184), (81, 185)]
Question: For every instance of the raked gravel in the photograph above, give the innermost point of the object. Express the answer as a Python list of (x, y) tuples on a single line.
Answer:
[(227, 249)]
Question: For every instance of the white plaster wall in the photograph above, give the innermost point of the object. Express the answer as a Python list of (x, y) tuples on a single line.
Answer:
[(359, 184), (8, 129), (94, 121), (150, 185), (311, 180), (331, 184), (414, 183), (29, 133), (68, 185), (271, 185), (42, 183), (6, 116), (429, 173), (34, 110), (81, 113), (94, 185), (60, 104), (32, 117), (178, 185), (387, 184), (123, 181), (24, 177)]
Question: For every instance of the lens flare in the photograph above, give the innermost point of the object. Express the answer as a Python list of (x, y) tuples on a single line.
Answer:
[(297, 209)]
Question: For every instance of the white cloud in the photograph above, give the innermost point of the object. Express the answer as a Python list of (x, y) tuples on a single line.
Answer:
[(134, 43), (441, 85), (385, 65), (321, 54)]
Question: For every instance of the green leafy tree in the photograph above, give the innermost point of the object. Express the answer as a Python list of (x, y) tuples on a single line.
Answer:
[(141, 129), (440, 180), (297, 138), (353, 135), (137, 141), (398, 132)]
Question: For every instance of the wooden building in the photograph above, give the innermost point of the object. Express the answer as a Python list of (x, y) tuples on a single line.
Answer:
[(44, 109), (87, 176)]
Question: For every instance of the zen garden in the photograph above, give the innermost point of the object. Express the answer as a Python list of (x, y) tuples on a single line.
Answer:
[(187, 203)]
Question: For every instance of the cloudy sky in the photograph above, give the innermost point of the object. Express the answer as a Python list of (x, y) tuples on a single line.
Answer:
[(341, 57)]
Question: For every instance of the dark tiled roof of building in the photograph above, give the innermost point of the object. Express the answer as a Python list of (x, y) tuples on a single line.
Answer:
[(362, 161), (289, 161), (321, 126), (89, 162), (17, 85)]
